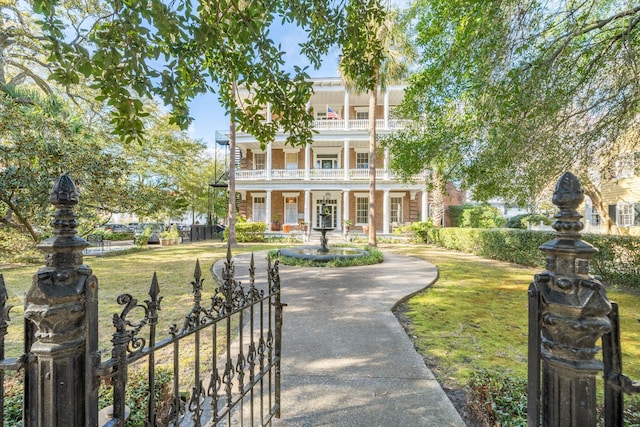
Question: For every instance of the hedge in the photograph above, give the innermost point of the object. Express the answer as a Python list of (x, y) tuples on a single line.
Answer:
[(248, 231), (617, 261)]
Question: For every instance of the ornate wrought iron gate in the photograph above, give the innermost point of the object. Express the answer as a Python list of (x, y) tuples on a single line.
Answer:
[(223, 360)]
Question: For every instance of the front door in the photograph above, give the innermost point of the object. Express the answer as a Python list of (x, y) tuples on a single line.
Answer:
[(331, 208)]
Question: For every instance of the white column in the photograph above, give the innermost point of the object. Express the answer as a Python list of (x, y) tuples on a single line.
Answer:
[(425, 205), (345, 205), (386, 110), (386, 163), (307, 207), (268, 218), (346, 160), (269, 116), (386, 208), (307, 162), (345, 115), (269, 161)]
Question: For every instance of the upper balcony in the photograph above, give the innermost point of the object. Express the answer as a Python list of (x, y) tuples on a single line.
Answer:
[(342, 125), (317, 175)]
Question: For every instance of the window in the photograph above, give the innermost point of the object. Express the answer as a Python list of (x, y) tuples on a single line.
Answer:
[(260, 161), (259, 209), (595, 216), (327, 161), (396, 210), (362, 210), (322, 115), (290, 210), (362, 160), (362, 115), (625, 215), (291, 161)]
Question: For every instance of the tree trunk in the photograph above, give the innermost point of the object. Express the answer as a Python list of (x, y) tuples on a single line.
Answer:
[(22, 220), (437, 198), (373, 98), (232, 179), (596, 199)]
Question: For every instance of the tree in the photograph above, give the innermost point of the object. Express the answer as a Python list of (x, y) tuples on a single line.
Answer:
[(375, 52), (512, 93), (41, 139), (163, 164), (175, 51)]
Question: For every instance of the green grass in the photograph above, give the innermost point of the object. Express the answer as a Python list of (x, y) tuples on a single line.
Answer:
[(474, 318), (131, 273)]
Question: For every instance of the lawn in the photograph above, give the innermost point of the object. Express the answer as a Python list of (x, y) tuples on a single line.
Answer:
[(131, 273), (475, 317)]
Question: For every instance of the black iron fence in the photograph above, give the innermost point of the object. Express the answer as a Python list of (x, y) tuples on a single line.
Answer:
[(569, 313), (205, 232), (223, 360)]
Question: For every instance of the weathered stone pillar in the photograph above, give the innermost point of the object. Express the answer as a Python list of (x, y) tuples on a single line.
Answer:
[(56, 308), (573, 316)]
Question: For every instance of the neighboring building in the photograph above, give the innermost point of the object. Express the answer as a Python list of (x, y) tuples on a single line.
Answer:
[(621, 193), (289, 183)]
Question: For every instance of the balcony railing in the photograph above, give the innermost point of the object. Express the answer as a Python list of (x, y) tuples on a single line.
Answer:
[(393, 124), (315, 175)]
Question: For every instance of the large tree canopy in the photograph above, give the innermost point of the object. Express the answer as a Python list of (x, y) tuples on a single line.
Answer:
[(177, 50), (512, 93)]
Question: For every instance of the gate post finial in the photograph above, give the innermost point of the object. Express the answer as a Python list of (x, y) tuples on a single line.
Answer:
[(55, 309), (573, 316)]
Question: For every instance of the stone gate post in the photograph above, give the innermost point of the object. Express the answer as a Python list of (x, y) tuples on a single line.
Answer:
[(55, 310), (573, 317)]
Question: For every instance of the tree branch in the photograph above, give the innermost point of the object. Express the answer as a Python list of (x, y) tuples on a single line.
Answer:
[(39, 81)]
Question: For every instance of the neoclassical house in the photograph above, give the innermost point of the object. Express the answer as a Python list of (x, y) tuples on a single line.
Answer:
[(287, 185)]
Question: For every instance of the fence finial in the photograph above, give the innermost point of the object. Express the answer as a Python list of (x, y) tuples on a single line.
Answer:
[(573, 316), (56, 307)]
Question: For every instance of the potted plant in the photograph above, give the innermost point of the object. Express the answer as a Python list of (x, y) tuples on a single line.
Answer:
[(365, 229), (275, 225), (347, 225), (171, 236)]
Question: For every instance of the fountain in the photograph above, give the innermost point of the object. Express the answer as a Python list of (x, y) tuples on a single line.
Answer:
[(323, 225), (324, 253)]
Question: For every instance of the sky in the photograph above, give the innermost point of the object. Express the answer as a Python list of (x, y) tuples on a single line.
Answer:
[(209, 116)]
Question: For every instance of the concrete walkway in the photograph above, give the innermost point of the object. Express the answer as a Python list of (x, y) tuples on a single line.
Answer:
[(346, 361)]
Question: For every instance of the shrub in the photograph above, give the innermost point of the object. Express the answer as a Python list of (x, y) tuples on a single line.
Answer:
[(498, 398), (617, 261), (13, 399), (523, 220), (17, 247), (108, 235), (136, 397), (248, 231), (143, 238), (137, 394), (171, 233), (477, 216), (374, 257)]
